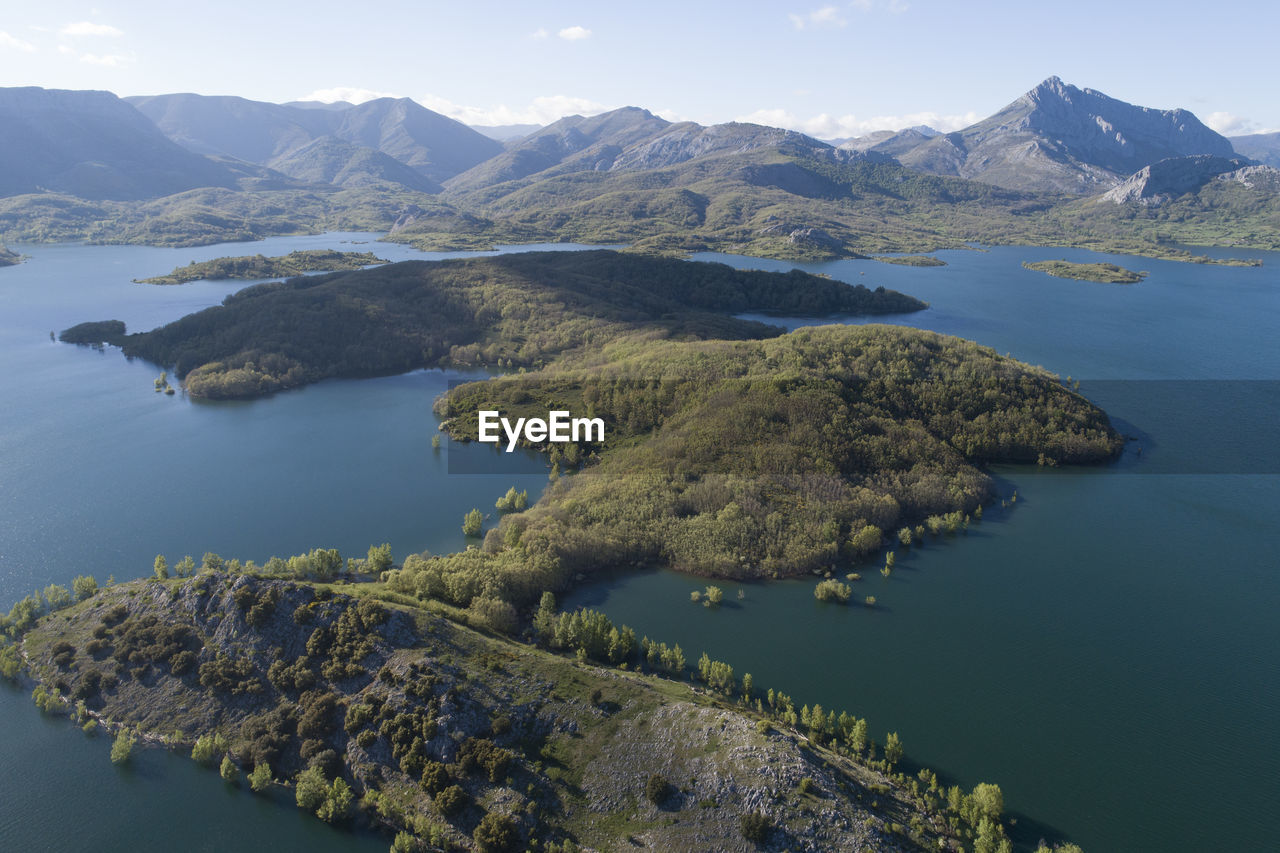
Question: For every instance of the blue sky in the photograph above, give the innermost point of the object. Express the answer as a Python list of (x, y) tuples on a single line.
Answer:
[(831, 69)]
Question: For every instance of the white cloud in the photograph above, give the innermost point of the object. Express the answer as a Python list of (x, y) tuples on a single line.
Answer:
[(1230, 124), (539, 33), (827, 16), (574, 33), (824, 126), (350, 94), (88, 28), (897, 7), (113, 60), (8, 41), (542, 110)]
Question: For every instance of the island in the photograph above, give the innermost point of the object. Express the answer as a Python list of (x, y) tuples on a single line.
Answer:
[(912, 260), (7, 257), (508, 311), (1106, 273), (253, 267), (385, 713), (732, 449)]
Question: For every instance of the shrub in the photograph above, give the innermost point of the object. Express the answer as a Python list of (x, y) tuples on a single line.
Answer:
[(496, 833), (451, 800), (657, 789), (755, 827)]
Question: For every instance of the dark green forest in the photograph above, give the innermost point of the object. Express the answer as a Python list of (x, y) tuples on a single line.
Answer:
[(750, 459), (510, 311)]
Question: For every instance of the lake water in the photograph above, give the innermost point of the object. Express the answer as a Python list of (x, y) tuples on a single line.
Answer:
[(1105, 649)]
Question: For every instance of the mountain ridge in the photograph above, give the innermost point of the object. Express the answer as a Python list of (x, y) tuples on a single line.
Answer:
[(93, 145), (1061, 138)]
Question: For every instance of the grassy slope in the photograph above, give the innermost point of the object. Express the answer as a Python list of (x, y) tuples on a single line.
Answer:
[(584, 739)]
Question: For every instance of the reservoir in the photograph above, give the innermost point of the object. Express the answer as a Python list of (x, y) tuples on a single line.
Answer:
[(1105, 647)]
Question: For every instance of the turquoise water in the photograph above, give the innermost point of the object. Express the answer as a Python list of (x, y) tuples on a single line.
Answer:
[(1106, 649)]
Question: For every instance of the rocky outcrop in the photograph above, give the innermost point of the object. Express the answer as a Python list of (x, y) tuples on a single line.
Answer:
[(1160, 182), (401, 704)]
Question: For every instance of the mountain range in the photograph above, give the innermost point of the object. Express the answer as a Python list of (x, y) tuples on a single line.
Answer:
[(304, 142), (622, 176), (92, 145)]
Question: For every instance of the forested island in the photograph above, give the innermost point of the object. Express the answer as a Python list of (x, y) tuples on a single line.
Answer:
[(1107, 273), (510, 311), (251, 267), (8, 258), (912, 260), (384, 712), (734, 450)]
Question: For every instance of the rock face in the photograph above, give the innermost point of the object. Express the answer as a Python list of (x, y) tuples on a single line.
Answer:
[(92, 145), (1156, 184), (433, 145), (1060, 138)]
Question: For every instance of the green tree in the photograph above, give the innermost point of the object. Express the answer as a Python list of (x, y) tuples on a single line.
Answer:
[(404, 842), (451, 800), (84, 586), (544, 620), (185, 567), (311, 789), (260, 779), (988, 801), (228, 770), (496, 833), (472, 523), (337, 802), (57, 596), (892, 749), (379, 559), (858, 737), (714, 596), (210, 562), (161, 568), (208, 747), (122, 746), (10, 662)]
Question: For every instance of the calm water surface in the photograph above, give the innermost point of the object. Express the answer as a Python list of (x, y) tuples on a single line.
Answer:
[(1105, 649)]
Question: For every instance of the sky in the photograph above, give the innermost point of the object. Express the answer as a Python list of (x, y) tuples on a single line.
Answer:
[(832, 70)]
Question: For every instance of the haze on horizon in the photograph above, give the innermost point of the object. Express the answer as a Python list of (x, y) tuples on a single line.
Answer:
[(830, 69)]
